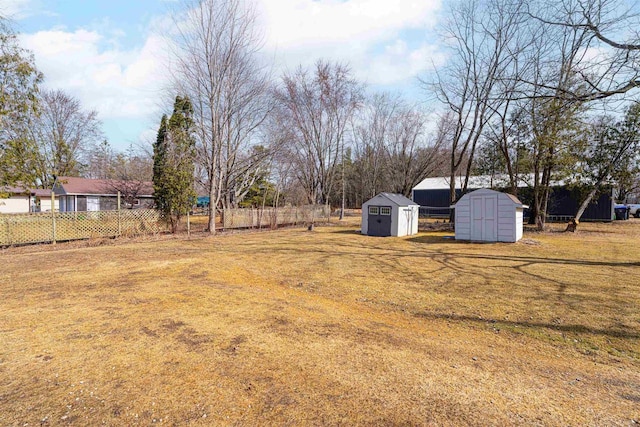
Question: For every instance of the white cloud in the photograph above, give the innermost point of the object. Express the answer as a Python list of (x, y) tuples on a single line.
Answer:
[(319, 22), (398, 63), (383, 41), (14, 8), (20, 9), (115, 82)]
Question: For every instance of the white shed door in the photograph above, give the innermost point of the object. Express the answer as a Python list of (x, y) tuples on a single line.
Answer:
[(93, 203), (484, 218)]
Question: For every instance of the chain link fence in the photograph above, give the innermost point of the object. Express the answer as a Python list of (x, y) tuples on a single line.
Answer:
[(272, 217), (17, 229), (47, 227)]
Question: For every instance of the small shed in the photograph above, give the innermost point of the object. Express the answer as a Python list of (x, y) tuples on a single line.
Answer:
[(489, 216), (389, 214)]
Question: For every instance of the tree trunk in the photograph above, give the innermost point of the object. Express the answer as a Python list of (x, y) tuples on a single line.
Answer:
[(211, 224), (452, 196), (344, 186), (572, 226), (586, 201)]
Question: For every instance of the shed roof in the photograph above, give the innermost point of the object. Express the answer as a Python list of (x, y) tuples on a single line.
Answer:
[(514, 199), (80, 186), (511, 197), (396, 199)]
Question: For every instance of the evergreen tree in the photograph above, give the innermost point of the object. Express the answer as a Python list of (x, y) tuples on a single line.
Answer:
[(173, 163), (19, 81), (159, 154)]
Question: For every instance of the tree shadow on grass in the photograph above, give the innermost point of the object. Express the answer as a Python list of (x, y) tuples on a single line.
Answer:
[(578, 329), (525, 259), (528, 260), (432, 249), (449, 256), (434, 239), (439, 249), (347, 231)]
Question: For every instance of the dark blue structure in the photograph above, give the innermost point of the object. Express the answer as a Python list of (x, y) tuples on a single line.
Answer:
[(563, 203)]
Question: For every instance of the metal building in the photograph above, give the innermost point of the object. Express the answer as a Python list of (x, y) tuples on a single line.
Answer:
[(432, 194)]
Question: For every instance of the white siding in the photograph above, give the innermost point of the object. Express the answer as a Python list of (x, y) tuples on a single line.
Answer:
[(519, 223), (416, 215), (45, 204), (463, 219), (15, 204), (407, 220), (506, 223), (396, 221), (508, 218)]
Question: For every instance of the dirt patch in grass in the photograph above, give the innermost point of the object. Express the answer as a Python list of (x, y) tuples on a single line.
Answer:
[(324, 328)]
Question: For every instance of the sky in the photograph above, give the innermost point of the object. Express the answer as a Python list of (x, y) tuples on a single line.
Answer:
[(111, 54)]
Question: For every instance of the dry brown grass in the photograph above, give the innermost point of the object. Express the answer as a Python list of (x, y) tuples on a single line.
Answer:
[(324, 328)]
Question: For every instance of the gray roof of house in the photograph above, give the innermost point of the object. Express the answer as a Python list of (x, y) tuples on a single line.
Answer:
[(70, 185), (398, 199)]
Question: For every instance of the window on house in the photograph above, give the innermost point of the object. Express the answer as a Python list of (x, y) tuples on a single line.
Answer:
[(373, 210), (385, 210)]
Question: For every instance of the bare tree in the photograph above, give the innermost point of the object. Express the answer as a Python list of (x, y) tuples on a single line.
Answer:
[(412, 155), (554, 121), (100, 160), (316, 107), (483, 38), (523, 76), (130, 174), (610, 28), (63, 133), (609, 145), (218, 67), (370, 136)]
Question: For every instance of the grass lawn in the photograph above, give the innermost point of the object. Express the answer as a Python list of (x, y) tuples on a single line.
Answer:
[(324, 328)]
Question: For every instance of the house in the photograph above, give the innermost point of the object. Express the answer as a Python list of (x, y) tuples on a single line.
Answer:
[(432, 194), (489, 216), (83, 194), (389, 214), (16, 200), (20, 199), (42, 200)]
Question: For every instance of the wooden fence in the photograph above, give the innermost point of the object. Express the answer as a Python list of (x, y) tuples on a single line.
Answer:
[(16, 229), (272, 217)]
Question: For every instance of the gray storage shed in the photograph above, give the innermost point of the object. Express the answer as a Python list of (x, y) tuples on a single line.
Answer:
[(489, 216), (389, 214)]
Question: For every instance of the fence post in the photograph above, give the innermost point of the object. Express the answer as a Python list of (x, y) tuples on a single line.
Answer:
[(53, 218), (9, 234), (119, 222)]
